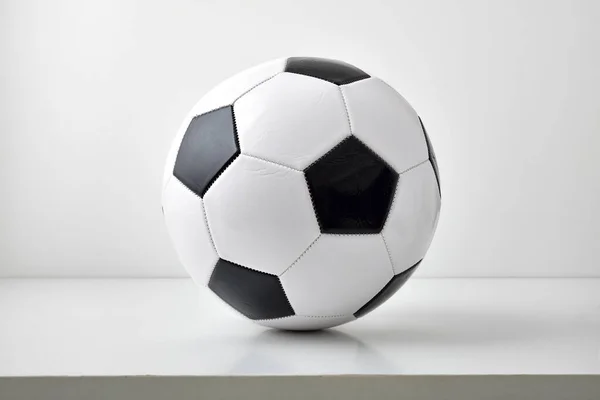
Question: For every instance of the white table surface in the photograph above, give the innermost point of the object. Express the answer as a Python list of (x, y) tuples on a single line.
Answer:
[(118, 327)]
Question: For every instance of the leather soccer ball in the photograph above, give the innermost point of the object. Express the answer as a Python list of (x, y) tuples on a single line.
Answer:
[(303, 192)]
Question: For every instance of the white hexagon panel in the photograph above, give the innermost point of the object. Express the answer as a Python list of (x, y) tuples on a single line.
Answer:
[(383, 120), (292, 119), (260, 215), (343, 273), (413, 217)]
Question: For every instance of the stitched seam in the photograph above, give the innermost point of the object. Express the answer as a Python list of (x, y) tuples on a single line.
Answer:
[(330, 150), (216, 176), (376, 154), (317, 157), (396, 176), (312, 203), (346, 108), (235, 130), (432, 157), (246, 267), (250, 316), (207, 112), (392, 205), (301, 255), (254, 87), (387, 249), (413, 167), (337, 83), (420, 122), (355, 79), (305, 316), (212, 241), (270, 162), (220, 172), (286, 296), (210, 235), (231, 159), (237, 98)]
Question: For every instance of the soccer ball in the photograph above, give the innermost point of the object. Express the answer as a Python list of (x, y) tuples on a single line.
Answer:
[(303, 192)]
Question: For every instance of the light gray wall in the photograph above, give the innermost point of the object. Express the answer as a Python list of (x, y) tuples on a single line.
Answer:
[(92, 93)]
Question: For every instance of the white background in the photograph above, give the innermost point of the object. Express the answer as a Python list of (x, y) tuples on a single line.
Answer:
[(91, 94)]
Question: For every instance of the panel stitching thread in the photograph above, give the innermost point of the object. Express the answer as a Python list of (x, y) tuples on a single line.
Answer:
[(346, 108), (328, 152), (260, 272), (413, 167), (210, 235), (246, 267), (377, 156), (340, 83), (286, 296), (387, 249), (432, 158), (208, 112), (232, 158), (304, 316), (237, 140), (392, 205), (236, 99), (254, 87), (301, 255), (312, 204), (270, 162), (220, 172), (235, 131), (223, 167), (387, 164)]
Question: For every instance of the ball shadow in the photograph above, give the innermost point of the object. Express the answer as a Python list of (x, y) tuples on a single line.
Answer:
[(280, 352)]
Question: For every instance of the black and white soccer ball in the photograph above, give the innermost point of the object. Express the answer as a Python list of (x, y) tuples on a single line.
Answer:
[(303, 192)]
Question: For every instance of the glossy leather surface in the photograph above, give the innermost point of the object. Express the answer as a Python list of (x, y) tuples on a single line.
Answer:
[(208, 146), (333, 71), (432, 157), (388, 291), (254, 294), (351, 189)]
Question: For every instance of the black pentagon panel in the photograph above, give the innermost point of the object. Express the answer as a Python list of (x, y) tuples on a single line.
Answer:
[(351, 189), (388, 291), (208, 147), (432, 158), (333, 71), (255, 294)]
